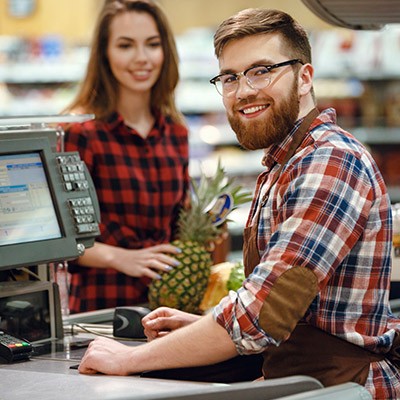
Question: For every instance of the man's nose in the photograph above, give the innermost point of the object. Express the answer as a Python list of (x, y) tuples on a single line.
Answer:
[(244, 89)]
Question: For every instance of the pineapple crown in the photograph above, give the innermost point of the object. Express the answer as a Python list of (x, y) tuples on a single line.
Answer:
[(195, 223)]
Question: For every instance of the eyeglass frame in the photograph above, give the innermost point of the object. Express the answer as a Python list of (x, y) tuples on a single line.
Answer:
[(269, 68)]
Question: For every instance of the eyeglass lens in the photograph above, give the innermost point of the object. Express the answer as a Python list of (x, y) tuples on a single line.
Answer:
[(256, 78)]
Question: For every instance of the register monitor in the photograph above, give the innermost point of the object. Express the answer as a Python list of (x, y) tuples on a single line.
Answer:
[(48, 206), (49, 212)]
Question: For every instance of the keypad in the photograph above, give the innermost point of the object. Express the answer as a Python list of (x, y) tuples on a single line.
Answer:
[(83, 213), (72, 170), (73, 173)]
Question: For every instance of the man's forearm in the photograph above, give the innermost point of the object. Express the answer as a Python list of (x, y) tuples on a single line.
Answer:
[(200, 343)]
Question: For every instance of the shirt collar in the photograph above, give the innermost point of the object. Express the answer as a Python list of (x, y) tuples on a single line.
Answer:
[(276, 153), (115, 120)]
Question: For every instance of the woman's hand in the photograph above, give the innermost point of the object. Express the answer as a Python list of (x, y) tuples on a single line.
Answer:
[(136, 262), (146, 262), (164, 320)]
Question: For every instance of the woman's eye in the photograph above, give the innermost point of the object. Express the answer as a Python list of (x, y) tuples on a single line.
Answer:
[(155, 44), (124, 45)]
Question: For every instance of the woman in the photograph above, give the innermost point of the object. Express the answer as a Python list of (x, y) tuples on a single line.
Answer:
[(136, 150)]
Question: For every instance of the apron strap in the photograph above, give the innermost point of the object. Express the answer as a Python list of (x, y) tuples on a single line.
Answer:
[(298, 137), (251, 256)]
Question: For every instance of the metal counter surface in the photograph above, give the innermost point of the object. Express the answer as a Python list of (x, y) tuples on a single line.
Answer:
[(49, 379), (48, 376), (53, 379)]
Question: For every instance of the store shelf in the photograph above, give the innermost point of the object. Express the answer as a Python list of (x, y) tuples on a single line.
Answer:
[(34, 101), (42, 72), (198, 97), (237, 163), (377, 135), (394, 194)]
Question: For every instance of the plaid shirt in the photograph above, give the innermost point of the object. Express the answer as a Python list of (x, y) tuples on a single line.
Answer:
[(141, 185), (329, 211)]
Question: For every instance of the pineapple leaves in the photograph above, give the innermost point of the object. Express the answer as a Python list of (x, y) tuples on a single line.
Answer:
[(195, 223)]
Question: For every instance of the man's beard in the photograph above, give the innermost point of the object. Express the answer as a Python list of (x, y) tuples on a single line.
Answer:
[(263, 133)]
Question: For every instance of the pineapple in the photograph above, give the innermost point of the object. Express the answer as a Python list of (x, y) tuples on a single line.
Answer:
[(198, 226)]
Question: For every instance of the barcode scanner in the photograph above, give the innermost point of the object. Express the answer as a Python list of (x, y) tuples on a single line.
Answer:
[(127, 322)]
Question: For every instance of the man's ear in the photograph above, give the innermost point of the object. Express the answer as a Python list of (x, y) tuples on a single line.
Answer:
[(306, 74)]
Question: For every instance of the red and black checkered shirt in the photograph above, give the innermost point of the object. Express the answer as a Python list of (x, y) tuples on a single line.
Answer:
[(141, 185)]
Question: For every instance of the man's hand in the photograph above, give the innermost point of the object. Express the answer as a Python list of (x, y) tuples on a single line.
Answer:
[(163, 320), (202, 342), (106, 356)]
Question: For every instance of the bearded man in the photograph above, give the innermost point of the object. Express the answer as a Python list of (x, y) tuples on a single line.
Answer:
[(317, 244)]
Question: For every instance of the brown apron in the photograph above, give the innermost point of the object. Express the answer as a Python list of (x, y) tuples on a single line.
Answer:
[(309, 350)]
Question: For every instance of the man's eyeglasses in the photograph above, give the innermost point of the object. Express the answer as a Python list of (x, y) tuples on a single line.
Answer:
[(257, 77)]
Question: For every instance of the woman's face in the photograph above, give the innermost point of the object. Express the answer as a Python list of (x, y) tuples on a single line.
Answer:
[(135, 51)]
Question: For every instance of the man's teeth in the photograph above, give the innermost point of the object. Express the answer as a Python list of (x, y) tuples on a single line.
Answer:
[(253, 109)]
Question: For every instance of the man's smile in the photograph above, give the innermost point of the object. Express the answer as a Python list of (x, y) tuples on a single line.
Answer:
[(253, 109)]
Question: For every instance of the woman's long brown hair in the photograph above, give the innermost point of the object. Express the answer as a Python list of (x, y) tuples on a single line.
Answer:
[(98, 92)]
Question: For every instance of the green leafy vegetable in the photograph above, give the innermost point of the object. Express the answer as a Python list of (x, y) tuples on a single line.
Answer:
[(236, 277)]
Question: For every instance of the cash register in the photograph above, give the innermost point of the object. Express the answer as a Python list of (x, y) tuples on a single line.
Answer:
[(49, 212)]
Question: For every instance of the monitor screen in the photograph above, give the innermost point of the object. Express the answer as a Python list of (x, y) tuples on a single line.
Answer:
[(27, 212), (48, 205)]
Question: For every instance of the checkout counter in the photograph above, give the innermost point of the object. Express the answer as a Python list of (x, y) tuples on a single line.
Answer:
[(53, 375), (49, 214), (47, 379)]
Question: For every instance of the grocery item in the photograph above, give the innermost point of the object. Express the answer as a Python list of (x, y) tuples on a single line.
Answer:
[(223, 277), (200, 225)]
